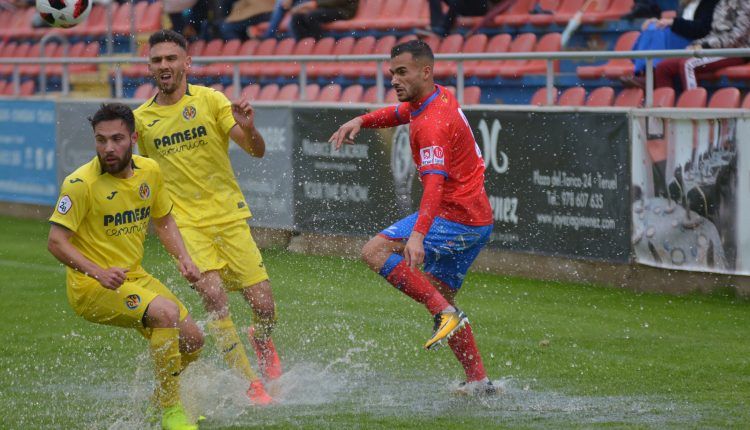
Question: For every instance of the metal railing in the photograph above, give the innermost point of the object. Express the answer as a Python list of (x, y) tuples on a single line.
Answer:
[(380, 60)]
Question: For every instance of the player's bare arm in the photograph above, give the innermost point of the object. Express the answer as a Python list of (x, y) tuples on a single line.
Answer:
[(244, 133), (58, 243), (170, 237), (346, 133)]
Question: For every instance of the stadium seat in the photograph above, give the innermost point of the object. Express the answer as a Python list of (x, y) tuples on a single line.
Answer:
[(630, 97), (573, 96), (400, 15), (268, 93), (349, 69), (450, 45), (21, 50), (36, 52), (615, 67), (288, 93), (289, 69), (472, 95), (746, 102), (150, 21), (367, 10), (500, 43), (725, 98), (312, 91), (137, 70), (27, 88), (615, 10), (352, 94), (601, 97), (144, 91), (475, 44), (565, 8), (329, 94), (664, 97), (323, 46), (390, 96), (218, 87), (21, 26), (251, 92), (121, 19), (229, 91), (693, 98), (370, 95), (368, 68), (540, 97), (263, 48), (282, 49), (3, 85), (342, 46), (517, 15), (550, 42), (213, 47), (230, 48), (74, 51)]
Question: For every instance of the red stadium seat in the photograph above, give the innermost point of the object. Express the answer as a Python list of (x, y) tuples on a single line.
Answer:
[(517, 14), (74, 51), (230, 48), (550, 42), (144, 91), (21, 26), (694, 98), (265, 48), (363, 46), (342, 46), (472, 95), (229, 91), (725, 98), (630, 97), (501, 43), (268, 93), (218, 87), (664, 97), (449, 45), (615, 10), (391, 97), (368, 68), (312, 91), (290, 69), (330, 93), (137, 70), (540, 97), (352, 94), (370, 95), (121, 19), (573, 96), (475, 44), (601, 97), (615, 67), (288, 92), (21, 51), (322, 47), (283, 49), (213, 47), (741, 72), (252, 92), (151, 19), (565, 8), (367, 10), (3, 85), (36, 52), (399, 15), (746, 102)]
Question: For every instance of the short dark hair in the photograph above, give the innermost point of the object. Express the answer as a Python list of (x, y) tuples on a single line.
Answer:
[(114, 111), (162, 36), (417, 49)]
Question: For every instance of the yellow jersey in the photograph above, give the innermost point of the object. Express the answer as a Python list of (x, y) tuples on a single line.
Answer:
[(110, 215), (190, 141)]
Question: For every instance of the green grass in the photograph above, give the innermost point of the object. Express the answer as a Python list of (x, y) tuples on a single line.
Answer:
[(351, 348)]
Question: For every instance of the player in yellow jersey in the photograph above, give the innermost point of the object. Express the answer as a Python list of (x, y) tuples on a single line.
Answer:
[(97, 230), (186, 129)]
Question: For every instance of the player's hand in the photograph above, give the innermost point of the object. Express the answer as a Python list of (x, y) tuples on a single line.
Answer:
[(648, 22), (346, 133), (414, 250), (111, 278), (243, 114), (664, 23), (189, 270)]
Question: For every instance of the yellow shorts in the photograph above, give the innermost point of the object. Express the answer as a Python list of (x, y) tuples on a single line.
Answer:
[(123, 307), (228, 248)]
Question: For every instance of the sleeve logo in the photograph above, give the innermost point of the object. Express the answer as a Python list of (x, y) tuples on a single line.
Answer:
[(65, 204), (432, 155)]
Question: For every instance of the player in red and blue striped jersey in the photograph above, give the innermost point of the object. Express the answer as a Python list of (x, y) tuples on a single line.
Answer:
[(454, 220)]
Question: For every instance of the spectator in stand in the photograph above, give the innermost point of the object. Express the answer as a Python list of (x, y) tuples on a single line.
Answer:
[(277, 15), (307, 17), (693, 22), (442, 23), (245, 13), (649, 8), (730, 29)]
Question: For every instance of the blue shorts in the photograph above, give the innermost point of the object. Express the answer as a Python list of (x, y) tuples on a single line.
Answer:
[(449, 247)]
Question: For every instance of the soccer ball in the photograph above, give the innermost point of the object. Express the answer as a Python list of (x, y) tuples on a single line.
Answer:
[(63, 13)]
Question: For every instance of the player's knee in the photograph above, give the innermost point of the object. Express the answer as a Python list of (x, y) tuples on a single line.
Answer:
[(369, 251), (163, 312)]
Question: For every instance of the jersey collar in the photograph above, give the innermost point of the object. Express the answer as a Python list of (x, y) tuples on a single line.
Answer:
[(187, 93), (421, 106)]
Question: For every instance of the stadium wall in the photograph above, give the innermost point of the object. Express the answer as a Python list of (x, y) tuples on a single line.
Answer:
[(559, 180)]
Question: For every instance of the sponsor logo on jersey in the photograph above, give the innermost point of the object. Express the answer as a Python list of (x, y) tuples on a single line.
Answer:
[(432, 155), (133, 301), (73, 181), (111, 196), (65, 204), (128, 216), (240, 205), (144, 191), (152, 123), (189, 112), (180, 136)]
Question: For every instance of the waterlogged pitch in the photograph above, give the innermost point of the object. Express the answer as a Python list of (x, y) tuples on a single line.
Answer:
[(566, 355)]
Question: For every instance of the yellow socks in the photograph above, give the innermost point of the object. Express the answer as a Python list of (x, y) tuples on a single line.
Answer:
[(165, 351), (189, 357), (230, 345)]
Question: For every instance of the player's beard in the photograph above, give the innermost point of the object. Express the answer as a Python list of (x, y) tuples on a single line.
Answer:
[(121, 164), (171, 87)]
